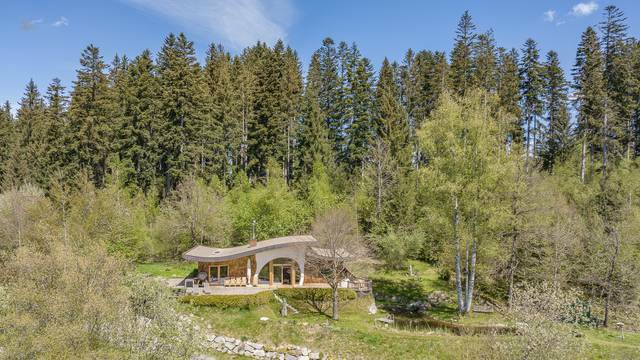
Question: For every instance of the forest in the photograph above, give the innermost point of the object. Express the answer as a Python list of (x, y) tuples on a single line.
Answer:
[(491, 164)]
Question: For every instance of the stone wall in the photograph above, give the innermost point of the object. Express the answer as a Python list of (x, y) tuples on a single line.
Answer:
[(259, 351)]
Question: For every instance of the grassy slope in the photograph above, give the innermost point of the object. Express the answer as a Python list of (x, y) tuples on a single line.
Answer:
[(356, 336)]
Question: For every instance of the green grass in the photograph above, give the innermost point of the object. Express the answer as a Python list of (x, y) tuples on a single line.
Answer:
[(355, 336), (169, 269)]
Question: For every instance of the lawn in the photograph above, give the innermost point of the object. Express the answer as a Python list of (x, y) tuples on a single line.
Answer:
[(167, 269)]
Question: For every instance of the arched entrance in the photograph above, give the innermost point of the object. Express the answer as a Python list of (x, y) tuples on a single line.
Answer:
[(280, 271)]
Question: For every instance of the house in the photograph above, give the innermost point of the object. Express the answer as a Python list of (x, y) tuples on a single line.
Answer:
[(269, 263)]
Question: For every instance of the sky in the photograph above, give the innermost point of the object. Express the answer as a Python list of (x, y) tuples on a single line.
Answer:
[(43, 39)]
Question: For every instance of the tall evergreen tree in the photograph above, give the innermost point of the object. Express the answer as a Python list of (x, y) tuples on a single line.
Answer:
[(91, 115), (331, 95), (27, 159), (531, 87), (6, 139), (184, 131), (558, 141), (391, 119), (485, 63), (462, 55), (137, 143), (509, 92), (362, 128), (56, 138), (313, 133), (589, 93)]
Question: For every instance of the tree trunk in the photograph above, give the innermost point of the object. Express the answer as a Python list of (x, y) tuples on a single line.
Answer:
[(610, 272), (334, 291), (471, 277), (456, 238), (583, 160)]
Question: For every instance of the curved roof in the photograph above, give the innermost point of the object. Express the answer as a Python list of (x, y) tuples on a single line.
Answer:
[(209, 254)]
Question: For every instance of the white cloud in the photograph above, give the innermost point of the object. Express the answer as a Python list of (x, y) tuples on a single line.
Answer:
[(62, 21), (549, 15), (584, 9), (28, 25), (240, 22)]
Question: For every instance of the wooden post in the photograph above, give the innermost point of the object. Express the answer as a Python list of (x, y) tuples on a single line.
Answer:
[(293, 274), (270, 273)]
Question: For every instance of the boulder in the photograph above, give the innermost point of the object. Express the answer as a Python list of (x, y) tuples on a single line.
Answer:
[(259, 353), (314, 356)]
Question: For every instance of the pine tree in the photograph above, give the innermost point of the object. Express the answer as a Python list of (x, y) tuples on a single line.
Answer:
[(558, 141), (391, 119), (226, 110), (485, 64), (184, 131), (313, 133), (589, 92), (6, 138), (618, 129), (462, 55), (245, 87), (137, 136), (291, 87), (27, 159), (509, 92), (331, 95), (362, 128), (531, 90), (57, 129), (91, 115)]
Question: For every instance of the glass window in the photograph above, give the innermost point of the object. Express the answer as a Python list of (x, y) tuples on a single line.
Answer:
[(224, 271)]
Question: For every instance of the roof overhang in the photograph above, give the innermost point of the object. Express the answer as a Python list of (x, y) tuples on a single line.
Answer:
[(208, 254)]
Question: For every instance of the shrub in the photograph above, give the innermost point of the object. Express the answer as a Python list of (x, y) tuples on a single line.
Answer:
[(320, 294), (320, 299), (229, 301)]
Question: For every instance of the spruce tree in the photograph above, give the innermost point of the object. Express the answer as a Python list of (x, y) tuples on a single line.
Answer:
[(485, 63), (558, 141), (137, 144), (184, 130), (27, 158), (391, 120), (362, 128), (589, 94), (330, 95), (462, 55), (531, 89), (6, 138), (91, 117), (509, 92), (313, 133), (225, 108), (57, 102)]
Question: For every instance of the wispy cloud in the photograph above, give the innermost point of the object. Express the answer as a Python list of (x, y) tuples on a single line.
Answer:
[(62, 21), (549, 15), (28, 25), (239, 22), (584, 8)]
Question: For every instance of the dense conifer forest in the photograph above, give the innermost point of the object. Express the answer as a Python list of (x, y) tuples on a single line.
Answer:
[(491, 164)]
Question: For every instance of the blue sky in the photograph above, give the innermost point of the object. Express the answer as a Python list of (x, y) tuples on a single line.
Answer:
[(43, 39)]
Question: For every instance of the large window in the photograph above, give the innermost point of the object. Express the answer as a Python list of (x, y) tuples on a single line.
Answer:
[(218, 272)]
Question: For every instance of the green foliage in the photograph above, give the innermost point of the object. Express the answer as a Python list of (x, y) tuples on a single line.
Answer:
[(229, 301), (315, 294), (395, 249)]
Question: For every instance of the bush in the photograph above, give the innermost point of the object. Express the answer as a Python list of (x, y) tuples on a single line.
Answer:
[(316, 294), (229, 301), (319, 299)]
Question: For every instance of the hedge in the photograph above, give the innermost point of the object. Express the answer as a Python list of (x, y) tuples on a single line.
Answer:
[(229, 301), (316, 294)]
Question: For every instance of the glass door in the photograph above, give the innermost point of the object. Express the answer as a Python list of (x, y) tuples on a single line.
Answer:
[(277, 274), (286, 275)]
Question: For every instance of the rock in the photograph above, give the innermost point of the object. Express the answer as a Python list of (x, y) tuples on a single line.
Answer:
[(303, 357), (202, 357), (264, 318), (304, 351), (229, 345), (219, 339), (259, 353), (290, 357), (314, 356)]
